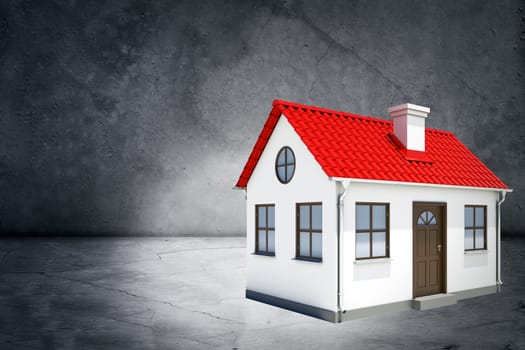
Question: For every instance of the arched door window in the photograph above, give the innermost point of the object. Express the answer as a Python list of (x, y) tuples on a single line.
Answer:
[(426, 218)]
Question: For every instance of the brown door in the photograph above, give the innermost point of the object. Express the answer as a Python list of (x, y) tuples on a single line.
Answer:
[(429, 248)]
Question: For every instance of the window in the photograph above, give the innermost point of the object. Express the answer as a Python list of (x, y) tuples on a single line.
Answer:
[(371, 230), (309, 240), (285, 165), (475, 227), (265, 229)]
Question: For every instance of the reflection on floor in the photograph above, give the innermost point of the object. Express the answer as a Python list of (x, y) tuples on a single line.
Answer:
[(188, 293)]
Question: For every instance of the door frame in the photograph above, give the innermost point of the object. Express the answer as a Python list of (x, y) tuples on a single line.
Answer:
[(443, 233)]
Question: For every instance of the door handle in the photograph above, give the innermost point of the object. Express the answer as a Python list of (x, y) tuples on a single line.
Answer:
[(439, 247)]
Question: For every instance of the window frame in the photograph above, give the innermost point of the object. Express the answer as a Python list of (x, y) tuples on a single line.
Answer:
[(371, 230), (285, 165), (298, 231), (474, 227), (266, 228)]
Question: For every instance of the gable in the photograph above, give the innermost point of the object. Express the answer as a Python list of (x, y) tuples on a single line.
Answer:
[(351, 146), (307, 170)]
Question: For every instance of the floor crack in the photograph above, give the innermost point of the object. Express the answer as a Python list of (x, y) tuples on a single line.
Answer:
[(16, 343), (263, 27), (94, 285), (159, 254), (485, 324), (193, 339), (129, 322), (6, 254)]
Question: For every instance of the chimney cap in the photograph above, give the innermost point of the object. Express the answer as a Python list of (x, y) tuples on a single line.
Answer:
[(409, 106)]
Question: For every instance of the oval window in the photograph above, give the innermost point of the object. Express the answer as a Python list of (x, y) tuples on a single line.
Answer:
[(426, 218), (285, 165)]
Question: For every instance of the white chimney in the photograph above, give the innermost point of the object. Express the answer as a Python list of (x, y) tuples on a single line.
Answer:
[(409, 125)]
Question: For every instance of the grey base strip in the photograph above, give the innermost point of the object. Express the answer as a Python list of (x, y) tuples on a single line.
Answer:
[(331, 316), (476, 292), (292, 305), (376, 310)]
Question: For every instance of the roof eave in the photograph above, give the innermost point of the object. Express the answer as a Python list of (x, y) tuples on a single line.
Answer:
[(424, 184)]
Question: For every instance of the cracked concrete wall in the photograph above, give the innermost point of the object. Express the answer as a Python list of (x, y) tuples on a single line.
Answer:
[(136, 117)]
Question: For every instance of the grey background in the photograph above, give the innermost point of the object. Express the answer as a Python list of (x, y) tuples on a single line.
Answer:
[(136, 117)]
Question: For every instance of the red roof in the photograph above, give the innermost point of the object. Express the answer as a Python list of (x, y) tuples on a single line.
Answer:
[(356, 147)]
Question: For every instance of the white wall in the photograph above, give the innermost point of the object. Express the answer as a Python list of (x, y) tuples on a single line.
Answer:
[(391, 280), (363, 284), (282, 276)]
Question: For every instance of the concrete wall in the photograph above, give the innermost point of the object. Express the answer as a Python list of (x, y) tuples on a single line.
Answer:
[(306, 282), (390, 280), (136, 117)]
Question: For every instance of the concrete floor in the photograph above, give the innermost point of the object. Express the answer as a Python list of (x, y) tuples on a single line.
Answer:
[(188, 293)]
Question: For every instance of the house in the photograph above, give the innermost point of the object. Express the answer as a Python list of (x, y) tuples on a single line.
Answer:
[(349, 216)]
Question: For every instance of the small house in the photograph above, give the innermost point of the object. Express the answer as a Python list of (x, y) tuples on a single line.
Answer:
[(349, 216)]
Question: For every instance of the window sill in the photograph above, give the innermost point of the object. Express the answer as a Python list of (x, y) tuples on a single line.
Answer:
[(476, 252), (308, 260), (372, 261), (264, 254)]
